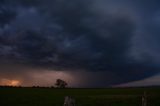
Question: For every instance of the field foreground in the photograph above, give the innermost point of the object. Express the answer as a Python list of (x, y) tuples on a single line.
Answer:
[(84, 97)]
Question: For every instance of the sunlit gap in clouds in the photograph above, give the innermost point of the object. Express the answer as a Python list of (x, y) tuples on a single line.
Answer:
[(40, 77), (29, 76)]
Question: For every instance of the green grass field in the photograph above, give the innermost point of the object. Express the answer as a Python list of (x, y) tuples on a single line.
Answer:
[(84, 97)]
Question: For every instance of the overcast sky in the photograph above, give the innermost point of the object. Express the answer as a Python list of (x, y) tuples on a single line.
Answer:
[(88, 43)]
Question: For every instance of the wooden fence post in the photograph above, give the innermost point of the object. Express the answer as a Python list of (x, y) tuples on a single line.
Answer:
[(144, 99), (69, 101)]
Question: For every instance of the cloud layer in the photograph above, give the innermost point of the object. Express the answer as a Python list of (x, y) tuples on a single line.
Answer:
[(113, 37)]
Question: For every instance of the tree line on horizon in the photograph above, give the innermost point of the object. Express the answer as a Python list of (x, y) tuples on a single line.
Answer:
[(59, 84)]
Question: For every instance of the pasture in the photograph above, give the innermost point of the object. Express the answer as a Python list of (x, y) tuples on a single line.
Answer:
[(84, 97)]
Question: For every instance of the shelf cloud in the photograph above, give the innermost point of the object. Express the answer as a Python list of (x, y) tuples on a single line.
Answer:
[(118, 39)]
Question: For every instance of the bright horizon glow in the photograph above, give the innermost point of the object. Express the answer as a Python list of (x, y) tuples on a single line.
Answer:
[(8, 82)]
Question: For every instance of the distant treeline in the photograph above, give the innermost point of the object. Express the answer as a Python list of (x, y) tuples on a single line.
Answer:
[(25, 87), (5, 86)]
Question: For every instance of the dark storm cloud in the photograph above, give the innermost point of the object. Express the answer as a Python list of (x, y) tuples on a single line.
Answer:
[(81, 35)]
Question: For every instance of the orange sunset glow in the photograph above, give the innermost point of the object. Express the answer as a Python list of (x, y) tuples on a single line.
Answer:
[(10, 82)]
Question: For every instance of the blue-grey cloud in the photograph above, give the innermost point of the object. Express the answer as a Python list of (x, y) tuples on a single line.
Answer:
[(118, 37)]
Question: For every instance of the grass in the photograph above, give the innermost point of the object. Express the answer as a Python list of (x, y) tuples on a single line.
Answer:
[(84, 97)]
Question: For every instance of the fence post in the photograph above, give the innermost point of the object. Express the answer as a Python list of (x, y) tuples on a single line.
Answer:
[(69, 101), (144, 99)]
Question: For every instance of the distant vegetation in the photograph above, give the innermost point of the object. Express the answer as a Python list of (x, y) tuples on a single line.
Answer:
[(61, 83)]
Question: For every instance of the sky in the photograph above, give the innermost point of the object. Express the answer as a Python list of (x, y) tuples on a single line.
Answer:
[(88, 43)]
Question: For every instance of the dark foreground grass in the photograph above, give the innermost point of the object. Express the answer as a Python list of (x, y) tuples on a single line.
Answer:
[(84, 97)]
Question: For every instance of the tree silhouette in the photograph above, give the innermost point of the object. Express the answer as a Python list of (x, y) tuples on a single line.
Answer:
[(61, 83)]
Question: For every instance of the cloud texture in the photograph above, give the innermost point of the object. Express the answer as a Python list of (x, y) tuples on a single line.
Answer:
[(117, 38)]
